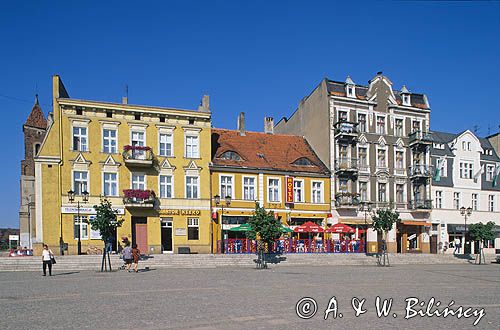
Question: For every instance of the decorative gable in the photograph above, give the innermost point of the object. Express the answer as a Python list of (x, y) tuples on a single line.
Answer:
[(192, 168), (110, 165), (400, 144), (381, 142), (166, 168), (80, 163)]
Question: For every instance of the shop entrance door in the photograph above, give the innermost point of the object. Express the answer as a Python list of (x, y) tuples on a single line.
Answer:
[(140, 233), (166, 235)]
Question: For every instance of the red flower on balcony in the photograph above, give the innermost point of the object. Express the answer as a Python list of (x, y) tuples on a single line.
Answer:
[(136, 148), (139, 194)]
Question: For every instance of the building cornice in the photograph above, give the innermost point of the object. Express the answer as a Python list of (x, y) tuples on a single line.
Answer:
[(133, 108)]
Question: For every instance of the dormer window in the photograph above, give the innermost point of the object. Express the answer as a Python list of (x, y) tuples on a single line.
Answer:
[(350, 91), (303, 161), (405, 96), (230, 155), (406, 99), (350, 87)]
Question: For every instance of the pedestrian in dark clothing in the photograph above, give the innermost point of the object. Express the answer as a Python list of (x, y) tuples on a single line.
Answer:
[(136, 253)]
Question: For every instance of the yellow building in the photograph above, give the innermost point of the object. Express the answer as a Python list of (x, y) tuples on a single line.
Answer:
[(280, 172), (152, 163)]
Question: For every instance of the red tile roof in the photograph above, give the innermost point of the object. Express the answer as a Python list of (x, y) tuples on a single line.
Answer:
[(36, 117), (265, 151)]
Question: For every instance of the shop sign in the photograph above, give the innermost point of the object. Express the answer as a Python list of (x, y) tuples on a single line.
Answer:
[(13, 237), (95, 234), (86, 210), (181, 212), (289, 189), (180, 232)]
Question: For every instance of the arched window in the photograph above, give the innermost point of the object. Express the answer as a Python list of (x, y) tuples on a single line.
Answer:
[(230, 155), (36, 149), (303, 161)]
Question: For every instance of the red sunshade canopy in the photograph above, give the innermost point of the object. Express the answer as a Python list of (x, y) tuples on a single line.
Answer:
[(309, 227), (340, 228)]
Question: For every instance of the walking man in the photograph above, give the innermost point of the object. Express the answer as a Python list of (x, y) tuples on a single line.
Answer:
[(458, 245)]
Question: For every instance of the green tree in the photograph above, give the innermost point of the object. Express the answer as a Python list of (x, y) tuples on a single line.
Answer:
[(265, 229), (383, 221), (482, 232), (106, 223)]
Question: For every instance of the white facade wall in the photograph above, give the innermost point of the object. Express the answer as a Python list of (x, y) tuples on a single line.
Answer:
[(466, 148)]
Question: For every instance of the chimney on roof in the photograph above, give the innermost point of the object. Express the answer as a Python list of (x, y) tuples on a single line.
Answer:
[(124, 100), (205, 104), (269, 125), (241, 123), (379, 73)]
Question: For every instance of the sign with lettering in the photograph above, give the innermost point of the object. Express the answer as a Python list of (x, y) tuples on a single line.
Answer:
[(95, 234), (86, 210), (289, 189), (181, 212), (180, 232)]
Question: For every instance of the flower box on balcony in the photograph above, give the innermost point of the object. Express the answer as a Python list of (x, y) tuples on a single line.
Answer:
[(136, 148), (138, 197)]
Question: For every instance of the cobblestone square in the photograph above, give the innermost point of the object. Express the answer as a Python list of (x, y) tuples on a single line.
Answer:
[(246, 298)]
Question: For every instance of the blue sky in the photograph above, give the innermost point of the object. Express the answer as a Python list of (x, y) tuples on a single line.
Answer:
[(260, 57)]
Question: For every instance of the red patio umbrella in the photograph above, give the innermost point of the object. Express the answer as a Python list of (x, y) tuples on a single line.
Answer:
[(309, 227), (340, 228)]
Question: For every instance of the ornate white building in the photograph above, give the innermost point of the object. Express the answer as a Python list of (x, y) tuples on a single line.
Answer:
[(466, 175)]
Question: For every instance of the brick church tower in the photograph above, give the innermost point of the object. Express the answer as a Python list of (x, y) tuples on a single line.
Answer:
[(34, 130)]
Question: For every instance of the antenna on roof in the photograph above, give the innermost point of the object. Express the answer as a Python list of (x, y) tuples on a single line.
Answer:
[(475, 129)]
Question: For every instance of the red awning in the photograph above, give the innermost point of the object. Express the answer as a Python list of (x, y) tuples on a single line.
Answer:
[(308, 227), (340, 228)]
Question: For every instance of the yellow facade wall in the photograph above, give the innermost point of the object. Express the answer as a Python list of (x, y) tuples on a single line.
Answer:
[(241, 207), (56, 180)]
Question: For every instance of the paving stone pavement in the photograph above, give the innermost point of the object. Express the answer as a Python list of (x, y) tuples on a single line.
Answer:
[(244, 297)]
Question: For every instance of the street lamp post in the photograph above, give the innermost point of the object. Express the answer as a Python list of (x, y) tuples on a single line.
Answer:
[(465, 212), (366, 207), (217, 203), (85, 198)]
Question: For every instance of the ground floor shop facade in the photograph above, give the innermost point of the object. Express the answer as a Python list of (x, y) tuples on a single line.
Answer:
[(411, 235), (450, 225), (153, 230), (236, 216)]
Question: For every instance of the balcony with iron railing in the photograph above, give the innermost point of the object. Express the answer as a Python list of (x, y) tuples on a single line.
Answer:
[(346, 165), (420, 137), (346, 200), (420, 171), (138, 198), (345, 130), (420, 204), (141, 156)]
